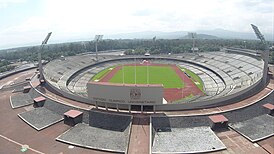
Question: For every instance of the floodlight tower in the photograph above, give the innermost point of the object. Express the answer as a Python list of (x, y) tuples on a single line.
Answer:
[(97, 39), (84, 44), (265, 53), (39, 56), (154, 41), (192, 36)]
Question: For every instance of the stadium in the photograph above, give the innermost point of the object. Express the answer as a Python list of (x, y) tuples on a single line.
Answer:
[(115, 103), (189, 81), (136, 77)]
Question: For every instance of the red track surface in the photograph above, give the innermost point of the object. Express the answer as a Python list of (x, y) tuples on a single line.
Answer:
[(173, 94), (110, 74), (170, 94)]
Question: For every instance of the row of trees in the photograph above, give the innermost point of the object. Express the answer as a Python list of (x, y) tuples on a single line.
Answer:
[(136, 46), (5, 66)]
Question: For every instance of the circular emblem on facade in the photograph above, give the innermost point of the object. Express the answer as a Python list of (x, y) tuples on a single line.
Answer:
[(135, 93)]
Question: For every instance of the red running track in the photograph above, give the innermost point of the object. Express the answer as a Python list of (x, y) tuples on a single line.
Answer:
[(110, 74), (173, 94)]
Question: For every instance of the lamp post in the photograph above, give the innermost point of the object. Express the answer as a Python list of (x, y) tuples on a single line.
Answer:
[(154, 41), (192, 36), (97, 39)]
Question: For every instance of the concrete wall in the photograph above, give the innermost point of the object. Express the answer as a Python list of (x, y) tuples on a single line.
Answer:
[(125, 93)]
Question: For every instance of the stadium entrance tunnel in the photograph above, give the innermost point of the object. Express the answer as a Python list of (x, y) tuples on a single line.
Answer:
[(136, 107), (147, 108)]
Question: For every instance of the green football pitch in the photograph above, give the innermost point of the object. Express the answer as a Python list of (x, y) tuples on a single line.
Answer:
[(148, 75)]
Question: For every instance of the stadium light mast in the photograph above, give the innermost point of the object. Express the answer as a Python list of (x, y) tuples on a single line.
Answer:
[(84, 44), (265, 53), (39, 56), (97, 39), (192, 36), (154, 41)]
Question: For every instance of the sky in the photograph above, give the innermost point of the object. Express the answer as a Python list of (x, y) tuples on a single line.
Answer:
[(27, 22)]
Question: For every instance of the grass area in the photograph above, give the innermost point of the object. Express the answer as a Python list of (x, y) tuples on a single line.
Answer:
[(156, 75), (195, 78), (101, 74)]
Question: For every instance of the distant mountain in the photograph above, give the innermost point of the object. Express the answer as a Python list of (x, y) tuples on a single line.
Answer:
[(202, 34), (158, 34), (226, 34), (147, 35)]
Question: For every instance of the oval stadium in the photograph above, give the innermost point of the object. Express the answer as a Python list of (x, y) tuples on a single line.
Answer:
[(206, 102), (137, 77), (189, 81)]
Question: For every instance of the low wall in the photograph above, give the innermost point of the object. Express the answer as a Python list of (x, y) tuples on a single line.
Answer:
[(15, 72)]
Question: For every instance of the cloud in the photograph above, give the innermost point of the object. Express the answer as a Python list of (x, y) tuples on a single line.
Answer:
[(258, 6), (84, 18), (143, 12), (6, 3)]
